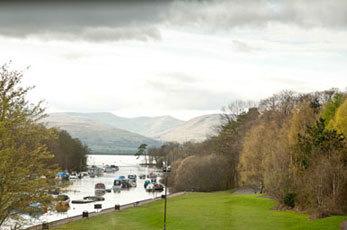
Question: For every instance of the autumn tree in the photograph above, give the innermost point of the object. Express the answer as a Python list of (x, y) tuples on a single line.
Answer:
[(285, 147), (321, 178), (169, 152), (340, 119), (330, 108), (229, 141), (250, 166)]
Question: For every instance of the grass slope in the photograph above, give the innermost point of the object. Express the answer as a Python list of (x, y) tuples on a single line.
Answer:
[(220, 210)]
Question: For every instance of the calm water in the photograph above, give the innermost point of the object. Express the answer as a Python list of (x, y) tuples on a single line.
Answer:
[(85, 186)]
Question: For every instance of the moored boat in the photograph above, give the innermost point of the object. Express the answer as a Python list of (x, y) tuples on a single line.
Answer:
[(121, 177), (63, 176), (95, 171), (111, 168), (117, 185), (122, 183), (127, 184), (81, 201), (100, 186), (73, 176), (83, 174), (88, 199), (150, 187), (132, 177), (94, 198), (158, 187), (147, 182), (152, 175), (142, 176), (132, 183), (115, 167), (100, 189)]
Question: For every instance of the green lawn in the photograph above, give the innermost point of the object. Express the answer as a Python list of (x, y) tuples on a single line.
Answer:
[(219, 210)]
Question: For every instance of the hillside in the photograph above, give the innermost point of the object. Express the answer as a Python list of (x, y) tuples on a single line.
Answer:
[(196, 129), (153, 126), (99, 137), (111, 134), (146, 126)]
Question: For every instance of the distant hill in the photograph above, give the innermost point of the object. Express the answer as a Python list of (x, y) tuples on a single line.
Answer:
[(107, 133), (146, 126), (196, 129), (152, 126), (100, 137)]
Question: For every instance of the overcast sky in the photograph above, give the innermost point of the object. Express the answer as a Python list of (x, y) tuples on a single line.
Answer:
[(181, 58)]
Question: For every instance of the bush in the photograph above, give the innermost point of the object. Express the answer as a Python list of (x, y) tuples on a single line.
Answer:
[(289, 200), (200, 173), (62, 206)]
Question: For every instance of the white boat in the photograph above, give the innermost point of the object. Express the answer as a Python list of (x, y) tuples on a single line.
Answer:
[(91, 174), (152, 175), (132, 183), (117, 185), (150, 187), (95, 171), (142, 176), (73, 176), (111, 168), (99, 172), (132, 177), (100, 186), (84, 174), (100, 189)]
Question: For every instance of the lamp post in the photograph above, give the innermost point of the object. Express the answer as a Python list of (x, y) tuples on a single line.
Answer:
[(165, 202)]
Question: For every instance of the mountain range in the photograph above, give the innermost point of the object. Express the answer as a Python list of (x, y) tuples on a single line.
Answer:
[(106, 133), (196, 129)]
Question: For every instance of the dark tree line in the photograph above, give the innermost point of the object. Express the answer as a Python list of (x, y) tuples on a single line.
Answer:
[(69, 153)]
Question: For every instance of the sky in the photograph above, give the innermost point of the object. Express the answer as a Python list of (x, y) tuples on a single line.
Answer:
[(178, 58)]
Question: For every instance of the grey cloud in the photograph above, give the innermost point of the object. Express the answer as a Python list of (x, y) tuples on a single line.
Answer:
[(227, 14), (141, 20), (101, 34), (104, 33), (220, 14), (316, 12), (92, 22)]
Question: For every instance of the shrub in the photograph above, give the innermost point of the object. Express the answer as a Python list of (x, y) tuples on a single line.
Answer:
[(200, 173), (289, 200), (62, 206)]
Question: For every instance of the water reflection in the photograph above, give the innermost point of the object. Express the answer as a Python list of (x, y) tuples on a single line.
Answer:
[(85, 187)]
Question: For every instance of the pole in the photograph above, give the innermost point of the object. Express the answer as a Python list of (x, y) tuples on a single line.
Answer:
[(165, 204)]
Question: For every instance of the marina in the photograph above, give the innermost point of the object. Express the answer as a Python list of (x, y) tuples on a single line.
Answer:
[(88, 191)]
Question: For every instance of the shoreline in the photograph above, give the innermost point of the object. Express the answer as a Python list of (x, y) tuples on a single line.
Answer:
[(103, 211)]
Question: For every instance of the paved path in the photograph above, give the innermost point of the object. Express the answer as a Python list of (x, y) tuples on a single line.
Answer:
[(344, 225)]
